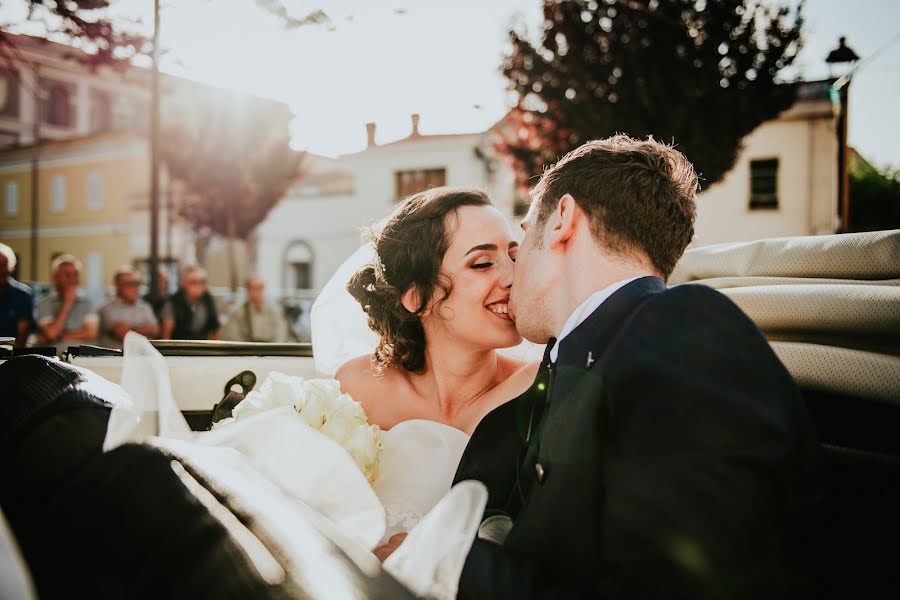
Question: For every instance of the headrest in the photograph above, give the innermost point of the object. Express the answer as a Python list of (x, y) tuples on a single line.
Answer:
[(829, 305), (868, 256)]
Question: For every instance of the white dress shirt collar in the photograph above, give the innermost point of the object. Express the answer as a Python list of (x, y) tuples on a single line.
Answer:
[(586, 309)]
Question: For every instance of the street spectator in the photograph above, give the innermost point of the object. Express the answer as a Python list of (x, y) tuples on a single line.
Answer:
[(190, 313), (158, 300), (255, 320), (16, 300), (65, 317), (126, 312)]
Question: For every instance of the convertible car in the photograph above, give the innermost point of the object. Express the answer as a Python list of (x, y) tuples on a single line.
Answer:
[(84, 523)]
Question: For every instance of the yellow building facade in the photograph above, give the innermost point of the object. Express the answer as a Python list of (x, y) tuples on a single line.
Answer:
[(86, 190), (90, 131)]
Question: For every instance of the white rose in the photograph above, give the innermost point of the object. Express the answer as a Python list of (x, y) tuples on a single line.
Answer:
[(342, 420), (312, 410), (281, 389), (326, 391), (364, 445), (253, 403)]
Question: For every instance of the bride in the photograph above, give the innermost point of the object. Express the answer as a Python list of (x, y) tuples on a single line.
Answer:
[(436, 293), (434, 288)]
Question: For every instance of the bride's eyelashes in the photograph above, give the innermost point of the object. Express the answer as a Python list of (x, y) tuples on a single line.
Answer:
[(487, 265)]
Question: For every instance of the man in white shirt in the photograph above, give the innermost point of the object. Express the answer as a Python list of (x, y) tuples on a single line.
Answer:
[(65, 317), (126, 312)]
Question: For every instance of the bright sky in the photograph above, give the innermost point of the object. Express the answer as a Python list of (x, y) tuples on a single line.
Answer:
[(386, 59)]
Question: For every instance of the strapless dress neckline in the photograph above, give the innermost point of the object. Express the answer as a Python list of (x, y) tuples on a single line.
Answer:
[(419, 459)]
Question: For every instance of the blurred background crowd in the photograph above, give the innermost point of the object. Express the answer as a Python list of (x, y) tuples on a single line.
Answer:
[(64, 316)]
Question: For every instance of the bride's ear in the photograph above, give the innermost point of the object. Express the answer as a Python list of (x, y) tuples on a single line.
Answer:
[(410, 299)]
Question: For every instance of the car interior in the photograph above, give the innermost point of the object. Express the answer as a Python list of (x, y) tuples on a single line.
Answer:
[(829, 305)]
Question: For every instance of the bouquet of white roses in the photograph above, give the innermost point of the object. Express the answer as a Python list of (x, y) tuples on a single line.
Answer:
[(322, 406)]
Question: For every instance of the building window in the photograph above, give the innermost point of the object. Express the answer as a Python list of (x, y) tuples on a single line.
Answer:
[(57, 105), (298, 261), (101, 111), (764, 183), (9, 93), (415, 181), (302, 275), (95, 190), (12, 199), (58, 197)]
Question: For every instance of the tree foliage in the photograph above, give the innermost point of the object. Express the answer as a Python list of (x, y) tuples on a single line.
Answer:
[(86, 23), (874, 197), (235, 165), (699, 73)]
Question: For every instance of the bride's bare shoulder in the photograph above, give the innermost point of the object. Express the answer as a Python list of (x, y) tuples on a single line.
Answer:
[(357, 373), (359, 378), (380, 394)]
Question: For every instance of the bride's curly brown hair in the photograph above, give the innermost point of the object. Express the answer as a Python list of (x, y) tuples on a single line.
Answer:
[(410, 246)]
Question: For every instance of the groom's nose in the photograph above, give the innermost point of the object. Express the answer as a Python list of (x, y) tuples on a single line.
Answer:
[(506, 279)]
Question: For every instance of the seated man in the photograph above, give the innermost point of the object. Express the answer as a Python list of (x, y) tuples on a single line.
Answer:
[(255, 320), (158, 301), (65, 317), (126, 312), (190, 314), (16, 300)]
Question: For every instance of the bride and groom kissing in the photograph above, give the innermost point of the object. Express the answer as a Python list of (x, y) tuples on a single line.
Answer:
[(659, 449)]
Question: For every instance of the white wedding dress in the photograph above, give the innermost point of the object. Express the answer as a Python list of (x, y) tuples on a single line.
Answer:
[(287, 474), (284, 473)]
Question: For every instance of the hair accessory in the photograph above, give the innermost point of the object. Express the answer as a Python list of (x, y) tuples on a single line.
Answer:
[(382, 274)]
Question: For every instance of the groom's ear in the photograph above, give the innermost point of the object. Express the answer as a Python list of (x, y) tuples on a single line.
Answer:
[(563, 221)]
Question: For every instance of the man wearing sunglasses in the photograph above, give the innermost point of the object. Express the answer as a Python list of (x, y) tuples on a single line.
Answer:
[(126, 312)]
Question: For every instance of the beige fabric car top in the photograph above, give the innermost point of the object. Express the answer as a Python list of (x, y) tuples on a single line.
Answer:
[(829, 305)]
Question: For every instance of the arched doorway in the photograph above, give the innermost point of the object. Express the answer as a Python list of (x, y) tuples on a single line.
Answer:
[(298, 266)]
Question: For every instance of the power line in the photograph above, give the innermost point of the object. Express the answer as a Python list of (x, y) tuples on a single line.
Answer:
[(845, 78)]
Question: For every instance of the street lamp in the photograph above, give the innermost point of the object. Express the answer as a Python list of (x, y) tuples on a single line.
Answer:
[(843, 54)]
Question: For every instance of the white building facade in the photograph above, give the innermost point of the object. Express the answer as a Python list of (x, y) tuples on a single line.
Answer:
[(322, 221), (785, 180), (784, 183)]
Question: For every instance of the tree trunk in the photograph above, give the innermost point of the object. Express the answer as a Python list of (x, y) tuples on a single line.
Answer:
[(232, 258)]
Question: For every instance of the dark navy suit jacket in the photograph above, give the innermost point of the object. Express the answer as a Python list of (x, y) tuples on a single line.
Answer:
[(662, 456)]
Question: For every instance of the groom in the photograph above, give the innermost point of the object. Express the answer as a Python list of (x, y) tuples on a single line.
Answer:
[(663, 449)]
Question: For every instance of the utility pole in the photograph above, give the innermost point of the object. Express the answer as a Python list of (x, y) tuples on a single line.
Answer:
[(154, 159), (35, 165)]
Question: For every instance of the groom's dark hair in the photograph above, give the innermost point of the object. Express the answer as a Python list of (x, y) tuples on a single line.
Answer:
[(639, 195)]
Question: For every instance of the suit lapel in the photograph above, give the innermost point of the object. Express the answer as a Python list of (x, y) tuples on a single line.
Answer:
[(504, 449), (498, 444), (586, 344), (579, 351)]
